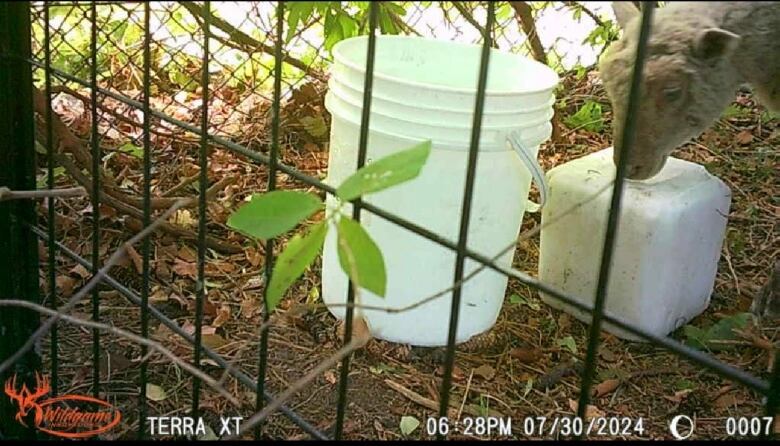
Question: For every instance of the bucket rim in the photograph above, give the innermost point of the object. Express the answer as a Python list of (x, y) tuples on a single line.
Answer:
[(484, 146), (550, 102), (525, 125), (339, 58)]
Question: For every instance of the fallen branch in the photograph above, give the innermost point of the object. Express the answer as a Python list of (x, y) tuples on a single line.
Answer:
[(66, 141), (130, 336), (93, 282), (138, 215), (8, 194)]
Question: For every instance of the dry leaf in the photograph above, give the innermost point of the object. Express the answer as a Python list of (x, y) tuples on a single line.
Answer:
[(184, 218), (330, 377), (564, 322), (525, 355), (209, 309), (485, 371), (590, 412), (106, 211), (727, 400), (744, 137), (65, 284), (679, 396), (136, 258), (223, 315), (213, 341), (81, 271), (185, 269), (187, 254), (253, 256), (249, 307), (155, 392), (606, 387), (607, 355), (116, 362), (158, 295), (162, 270), (457, 373)]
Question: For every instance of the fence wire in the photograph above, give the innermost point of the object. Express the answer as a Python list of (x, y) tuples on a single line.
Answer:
[(117, 80)]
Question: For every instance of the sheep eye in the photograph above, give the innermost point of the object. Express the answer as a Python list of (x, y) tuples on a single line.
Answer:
[(672, 94)]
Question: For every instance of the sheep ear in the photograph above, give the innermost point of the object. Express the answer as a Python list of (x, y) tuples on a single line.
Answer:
[(624, 12), (714, 44)]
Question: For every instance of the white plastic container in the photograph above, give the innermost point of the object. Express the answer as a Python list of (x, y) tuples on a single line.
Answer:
[(416, 267), (667, 248)]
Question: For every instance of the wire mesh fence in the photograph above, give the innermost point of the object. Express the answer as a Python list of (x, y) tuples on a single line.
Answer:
[(157, 110)]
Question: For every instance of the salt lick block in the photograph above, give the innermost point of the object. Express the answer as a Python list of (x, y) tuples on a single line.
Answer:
[(667, 246)]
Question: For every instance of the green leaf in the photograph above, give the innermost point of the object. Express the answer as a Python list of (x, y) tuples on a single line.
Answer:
[(293, 261), (684, 384), (712, 338), (299, 12), (519, 300), (274, 213), (155, 392), (42, 180), (733, 111), (385, 172), (355, 245), (132, 149), (529, 385), (589, 117), (409, 424), (315, 126), (569, 343)]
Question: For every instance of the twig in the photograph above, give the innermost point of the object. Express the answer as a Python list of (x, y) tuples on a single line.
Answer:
[(355, 344), (127, 335), (419, 399), (587, 11), (97, 278), (8, 194), (179, 187), (469, 18), (245, 42)]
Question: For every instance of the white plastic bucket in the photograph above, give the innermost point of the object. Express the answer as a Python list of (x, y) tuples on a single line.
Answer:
[(439, 74), (416, 267)]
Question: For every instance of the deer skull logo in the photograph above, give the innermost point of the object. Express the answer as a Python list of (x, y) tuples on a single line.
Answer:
[(26, 399)]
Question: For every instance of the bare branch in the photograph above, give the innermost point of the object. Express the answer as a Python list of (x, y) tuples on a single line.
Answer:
[(130, 336), (8, 194), (248, 43), (525, 18)]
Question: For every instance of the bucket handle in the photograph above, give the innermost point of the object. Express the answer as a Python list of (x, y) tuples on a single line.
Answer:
[(533, 166)]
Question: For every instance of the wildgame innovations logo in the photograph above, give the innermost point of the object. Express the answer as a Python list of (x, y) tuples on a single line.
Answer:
[(68, 416)]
